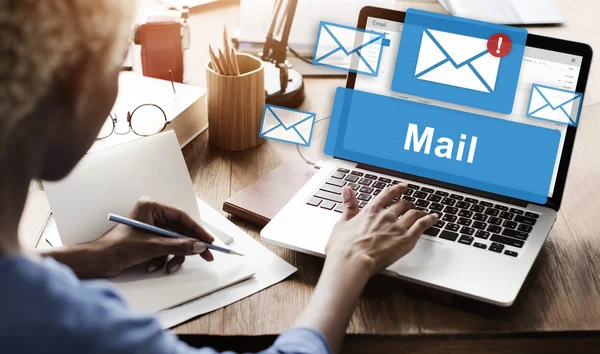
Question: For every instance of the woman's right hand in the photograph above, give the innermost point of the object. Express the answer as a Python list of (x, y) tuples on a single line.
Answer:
[(381, 233), (361, 245)]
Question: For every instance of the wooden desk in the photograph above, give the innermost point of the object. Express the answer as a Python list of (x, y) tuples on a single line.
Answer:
[(558, 309)]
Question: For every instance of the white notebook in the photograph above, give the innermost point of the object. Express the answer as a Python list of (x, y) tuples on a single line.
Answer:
[(509, 12), (111, 181)]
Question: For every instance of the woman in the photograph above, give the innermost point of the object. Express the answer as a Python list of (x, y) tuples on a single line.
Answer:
[(59, 64)]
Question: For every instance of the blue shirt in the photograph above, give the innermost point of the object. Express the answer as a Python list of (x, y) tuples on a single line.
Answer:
[(45, 308)]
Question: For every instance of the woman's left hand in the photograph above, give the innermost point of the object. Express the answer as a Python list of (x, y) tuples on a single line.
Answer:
[(124, 247)]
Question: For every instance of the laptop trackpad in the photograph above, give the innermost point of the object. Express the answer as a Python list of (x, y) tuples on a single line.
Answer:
[(428, 257)]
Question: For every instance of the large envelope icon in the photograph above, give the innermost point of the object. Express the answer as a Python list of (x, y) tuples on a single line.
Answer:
[(349, 48), (287, 125), (555, 105), (457, 60)]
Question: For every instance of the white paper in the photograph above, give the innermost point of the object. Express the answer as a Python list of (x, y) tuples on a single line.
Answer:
[(157, 291), (113, 180), (196, 277), (270, 269)]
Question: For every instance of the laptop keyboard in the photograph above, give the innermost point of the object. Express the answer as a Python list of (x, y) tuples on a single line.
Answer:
[(466, 220)]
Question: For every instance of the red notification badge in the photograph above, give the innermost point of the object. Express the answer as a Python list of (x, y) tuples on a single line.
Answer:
[(499, 45)]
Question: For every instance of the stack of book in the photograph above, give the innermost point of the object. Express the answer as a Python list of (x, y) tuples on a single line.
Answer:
[(184, 106)]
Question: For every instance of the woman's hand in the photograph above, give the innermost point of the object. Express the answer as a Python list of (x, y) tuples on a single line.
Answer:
[(383, 232), (124, 247), (361, 244)]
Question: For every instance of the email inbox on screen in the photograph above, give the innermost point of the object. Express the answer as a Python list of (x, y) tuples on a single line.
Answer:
[(447, 59)]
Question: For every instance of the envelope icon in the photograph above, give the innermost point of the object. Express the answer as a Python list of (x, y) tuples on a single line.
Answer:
[(456, 60), (287, 125), (349, 48), (554, 104)]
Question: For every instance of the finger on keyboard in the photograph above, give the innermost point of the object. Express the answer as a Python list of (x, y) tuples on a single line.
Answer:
[(386, 197)]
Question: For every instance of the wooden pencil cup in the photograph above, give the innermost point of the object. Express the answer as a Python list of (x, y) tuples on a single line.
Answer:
[(236, 105)]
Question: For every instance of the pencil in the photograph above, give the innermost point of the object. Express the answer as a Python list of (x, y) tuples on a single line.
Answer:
[(217, 65), (236, 67), (213, 63), (165, 233), (224, 63), (229, 52), (226, 43), (230, 65)]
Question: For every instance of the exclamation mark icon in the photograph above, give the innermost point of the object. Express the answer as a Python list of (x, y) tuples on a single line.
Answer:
[(499, 45)]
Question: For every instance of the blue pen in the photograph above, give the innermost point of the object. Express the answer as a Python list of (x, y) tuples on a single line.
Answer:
[(165, 233)]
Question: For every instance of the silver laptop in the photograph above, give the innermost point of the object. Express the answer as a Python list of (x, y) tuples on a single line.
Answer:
[(484, 244)]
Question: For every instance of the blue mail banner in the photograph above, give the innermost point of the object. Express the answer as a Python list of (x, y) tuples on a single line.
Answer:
[(349, 49), (471, 150), (448, 58)]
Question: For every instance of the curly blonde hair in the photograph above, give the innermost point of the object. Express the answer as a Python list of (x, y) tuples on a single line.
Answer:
[(41, 40)]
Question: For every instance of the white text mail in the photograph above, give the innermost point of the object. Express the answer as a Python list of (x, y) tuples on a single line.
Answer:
[(444, 147)]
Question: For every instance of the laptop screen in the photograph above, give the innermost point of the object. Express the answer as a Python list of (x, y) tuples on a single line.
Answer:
[(539, 66)]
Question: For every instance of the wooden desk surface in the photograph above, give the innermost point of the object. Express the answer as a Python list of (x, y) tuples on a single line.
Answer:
[(561, 295)]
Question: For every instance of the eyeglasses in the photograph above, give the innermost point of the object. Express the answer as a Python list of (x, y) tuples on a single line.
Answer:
[(145, 120)]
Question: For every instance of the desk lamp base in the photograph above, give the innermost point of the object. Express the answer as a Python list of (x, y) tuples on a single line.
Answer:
[(292, 97)]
